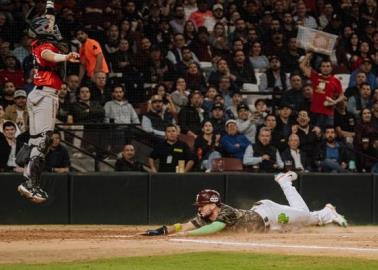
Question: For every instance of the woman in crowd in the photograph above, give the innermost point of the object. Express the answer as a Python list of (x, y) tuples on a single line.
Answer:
[(180, 94), (257, 59), (195, 78), (218, 39), (190, 31)]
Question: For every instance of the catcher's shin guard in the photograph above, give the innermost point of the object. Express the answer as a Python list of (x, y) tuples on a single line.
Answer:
[(34, 170), (46, 142)]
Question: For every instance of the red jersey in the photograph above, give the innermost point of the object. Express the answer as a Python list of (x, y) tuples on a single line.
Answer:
[(324, 87), (46, 77)]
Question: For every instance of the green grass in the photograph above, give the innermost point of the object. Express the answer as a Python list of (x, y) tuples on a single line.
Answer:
[(209, 261)]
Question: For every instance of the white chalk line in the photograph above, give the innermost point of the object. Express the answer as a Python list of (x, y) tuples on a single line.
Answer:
[(269, 245)]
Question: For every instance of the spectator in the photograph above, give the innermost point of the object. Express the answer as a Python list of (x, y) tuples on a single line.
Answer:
[(301, 15), (222, 71), (218, 39), (24, 50), (122, 60), (277, 138), (365, 129), (85, 110), (257, 59), (191, 116), (332, 156), (190, 6), (200, 45), (246, 122), (8, 147), (91, 56), (178, 21), (233, 144), (180, 94), (127, 162), (171, 152), (361, 101), (57, 159), (294, 96), (327, 91), (285, 120), (157, 69), (168, 105), (217, 118), (195, 78), (17, 113), (293, 157), (175, 55), (276, 45), (208, 101), (207, 145), (202, 14), (143, 53), (232, 111), (118, 110), (182, 65), (226, 89), (261, 111), (157, 118), (2, 120), (99, 90), (64, 104), (274, 78), (291, 56), (7, 97), (354, 90), (345, 123), (366, 67), (309, 136), (263, 153), (242, 69), (12, 72)]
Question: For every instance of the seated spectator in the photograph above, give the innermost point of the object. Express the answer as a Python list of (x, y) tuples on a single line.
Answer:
[(345, 123), (354, 90), (278, 139), (157, 118), (217, 118), (8, 147), (309, 136), (293, 157), (218, 38), (99, 91), (7, 97), (206, 146), (57, 159), (64, 104), (17, 113), (191, 116), (118, 110), (226, 89), (123, 59), (360, 101), (210, 95), (168, 105), (157, 69), (367, 160), (256, 58), (263, 154), (178, 20), (73, 84), (127, 162), (261, 111), (242, 69), (332, 156), (85, 110), (182, 65), (374, 112), (195, 78), (274, 78), (180, 94), (285, 120), (294, 96), (222, 71), (12, 72), (175, 55), (232, 111), (233, 144), (201, 14), (366, 67), (365, 129), (171, 152), (291, 56), (246, 122), (302, 15), (201, 45)]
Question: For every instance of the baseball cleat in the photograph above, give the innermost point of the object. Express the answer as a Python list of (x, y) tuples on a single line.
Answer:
[(25, 190), (39, 195), (337, 219), (290, 175)]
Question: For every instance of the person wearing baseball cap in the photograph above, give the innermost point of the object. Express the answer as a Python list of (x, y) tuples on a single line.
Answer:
[(365, 66), (246, 122), (233, 143), (217, 118), (278, 81), (17, 113)]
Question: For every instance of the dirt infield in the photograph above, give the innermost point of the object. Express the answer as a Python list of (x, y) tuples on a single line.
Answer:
[(52, 243)]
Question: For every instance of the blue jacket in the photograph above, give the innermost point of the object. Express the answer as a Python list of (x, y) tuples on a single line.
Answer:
[(228, 145)]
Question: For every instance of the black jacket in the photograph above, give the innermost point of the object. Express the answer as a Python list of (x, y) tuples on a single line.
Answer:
[(345, 154), (123, 165), (95, 114), (189, 120), (286, 156)]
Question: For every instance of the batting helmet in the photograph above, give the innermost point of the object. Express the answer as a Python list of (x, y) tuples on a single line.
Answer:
[(207, 196), (39, 28)]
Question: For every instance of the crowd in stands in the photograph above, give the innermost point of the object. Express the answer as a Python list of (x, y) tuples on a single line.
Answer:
[(181, 69)]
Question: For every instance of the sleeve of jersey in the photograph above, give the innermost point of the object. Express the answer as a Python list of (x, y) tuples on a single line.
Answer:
[(211, 228)]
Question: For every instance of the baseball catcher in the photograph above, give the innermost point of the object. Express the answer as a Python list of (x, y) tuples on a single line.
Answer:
[(214, 216), (42, 102)]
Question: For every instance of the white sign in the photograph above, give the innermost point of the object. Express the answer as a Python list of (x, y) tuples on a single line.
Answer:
[(314, 40)]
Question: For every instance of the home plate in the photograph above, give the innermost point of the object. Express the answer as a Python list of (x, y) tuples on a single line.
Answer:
[(273, 245)]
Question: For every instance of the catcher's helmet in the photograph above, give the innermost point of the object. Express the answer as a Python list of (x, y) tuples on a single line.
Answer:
[(39, 28), (208, 196)]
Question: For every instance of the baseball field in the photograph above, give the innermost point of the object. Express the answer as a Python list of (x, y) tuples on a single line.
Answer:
[(119, 247)]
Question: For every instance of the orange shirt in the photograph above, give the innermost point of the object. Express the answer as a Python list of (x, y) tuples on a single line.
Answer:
[(88, 54)]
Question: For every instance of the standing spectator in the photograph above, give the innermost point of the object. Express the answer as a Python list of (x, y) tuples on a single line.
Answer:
[(233, 144), (8, 147), (263, 153), (85, 110), (327, 91), (293, 157), (332, 156), (7, 97), (191, 116), (99, 90), (246, 122), (127, 162), (91, 57), (206, 146), (361, 101), (345, 123), (12, 72), (170, 152), (118, 110), (157, 118), (57, 159), (17, 113), (274, 78)]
